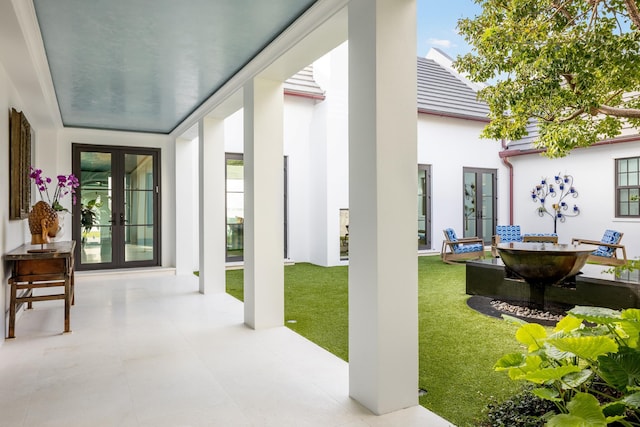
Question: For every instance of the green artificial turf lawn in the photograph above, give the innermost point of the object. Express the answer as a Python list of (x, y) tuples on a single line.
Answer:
[(458, 346)]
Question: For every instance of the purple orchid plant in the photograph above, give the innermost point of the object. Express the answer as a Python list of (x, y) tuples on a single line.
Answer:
[(67, 184)]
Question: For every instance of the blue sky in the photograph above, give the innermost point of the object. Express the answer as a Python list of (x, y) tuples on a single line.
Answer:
[(437, 21)]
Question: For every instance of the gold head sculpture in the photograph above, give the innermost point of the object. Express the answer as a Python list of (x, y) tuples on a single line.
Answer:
[(43, 223)]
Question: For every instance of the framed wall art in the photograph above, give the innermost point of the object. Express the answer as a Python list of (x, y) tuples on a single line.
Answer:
[(19, 162)]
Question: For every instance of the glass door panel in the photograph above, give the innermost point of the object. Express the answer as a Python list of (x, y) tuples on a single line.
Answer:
[(234, 187), (95, 191), (235, 207), (479, 203), (424, 206), (469, 206), (487, 205), (139, 191)]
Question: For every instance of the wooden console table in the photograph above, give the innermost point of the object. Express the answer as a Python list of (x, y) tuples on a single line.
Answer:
[(41, 266)]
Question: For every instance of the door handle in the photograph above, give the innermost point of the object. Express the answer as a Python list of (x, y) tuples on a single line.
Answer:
[(122, 220)]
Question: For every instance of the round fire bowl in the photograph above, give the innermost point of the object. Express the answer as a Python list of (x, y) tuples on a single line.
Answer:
[(544, 263)]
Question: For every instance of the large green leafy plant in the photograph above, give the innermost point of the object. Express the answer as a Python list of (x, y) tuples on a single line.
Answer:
[(589, 366)]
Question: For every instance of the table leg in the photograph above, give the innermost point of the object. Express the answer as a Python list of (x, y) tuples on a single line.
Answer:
[(28, 294), (73, 289), (12, 312), (67, 303)]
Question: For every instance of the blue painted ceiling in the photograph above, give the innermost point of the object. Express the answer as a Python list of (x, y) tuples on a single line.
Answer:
[(145, 65)]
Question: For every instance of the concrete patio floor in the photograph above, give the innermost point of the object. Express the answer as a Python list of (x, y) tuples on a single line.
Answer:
[(149, 350)]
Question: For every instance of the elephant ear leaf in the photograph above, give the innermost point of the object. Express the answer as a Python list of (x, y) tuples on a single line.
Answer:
[(511, 360), (632, 314), (599, 315), (621, 369), (584, 410), (567, 324), (532, 335), (576, 379), (633, 400), (541, 376), (630, 333), (547, 394), (586, 347)]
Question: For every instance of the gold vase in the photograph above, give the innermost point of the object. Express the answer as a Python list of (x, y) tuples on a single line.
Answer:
[(43, 223)]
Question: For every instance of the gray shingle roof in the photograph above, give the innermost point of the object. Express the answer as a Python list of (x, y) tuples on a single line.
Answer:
[(527, 142), (302, 83), (442, 92)]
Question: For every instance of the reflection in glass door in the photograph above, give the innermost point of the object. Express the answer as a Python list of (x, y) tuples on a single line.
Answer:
[(138, 221), (235, 207), (116, 219), (480, 202), (95, 197), (234, 171), (424, 206)]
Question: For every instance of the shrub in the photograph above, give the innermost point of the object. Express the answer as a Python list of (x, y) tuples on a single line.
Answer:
[(522, 410), (589, 367)]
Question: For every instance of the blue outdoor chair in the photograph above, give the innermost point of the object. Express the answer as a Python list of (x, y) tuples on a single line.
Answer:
[(607, 252), (505, 234), (454, 249)]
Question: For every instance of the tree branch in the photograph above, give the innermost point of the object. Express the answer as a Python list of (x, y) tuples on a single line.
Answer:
[(560, 8), (634, 13), (594, 13), (614, 95), (569, 79), (629, 113), (572, 116)]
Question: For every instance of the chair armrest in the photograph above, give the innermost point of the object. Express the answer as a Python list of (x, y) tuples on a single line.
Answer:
[(449, 244), (470, 240), (495, 239), (612, 245), (588, 242), (596, 243), (615, 246)]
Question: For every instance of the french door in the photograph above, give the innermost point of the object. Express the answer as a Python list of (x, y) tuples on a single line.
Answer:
[(116, 218), (235, 206), (424, 206), (480, 203)]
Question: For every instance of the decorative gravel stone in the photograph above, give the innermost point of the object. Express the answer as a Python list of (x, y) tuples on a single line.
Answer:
[(554, 314)]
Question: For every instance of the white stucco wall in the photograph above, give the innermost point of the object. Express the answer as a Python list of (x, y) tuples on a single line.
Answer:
[(13, 233), (449, 145), (298, 113), (593, 170), (332, 128)]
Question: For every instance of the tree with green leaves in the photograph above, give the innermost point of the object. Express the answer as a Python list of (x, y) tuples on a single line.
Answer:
[(572, 66)]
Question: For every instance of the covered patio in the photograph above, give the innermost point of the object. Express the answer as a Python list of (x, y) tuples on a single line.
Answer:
[(150, 350), (135, 340)]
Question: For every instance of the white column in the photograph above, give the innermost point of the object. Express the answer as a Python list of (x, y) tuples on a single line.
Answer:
[(383, 294), (212, 196), (185, 200), (263, 204)]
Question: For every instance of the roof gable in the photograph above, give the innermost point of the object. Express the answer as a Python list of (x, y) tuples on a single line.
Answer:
[(441, 92)]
